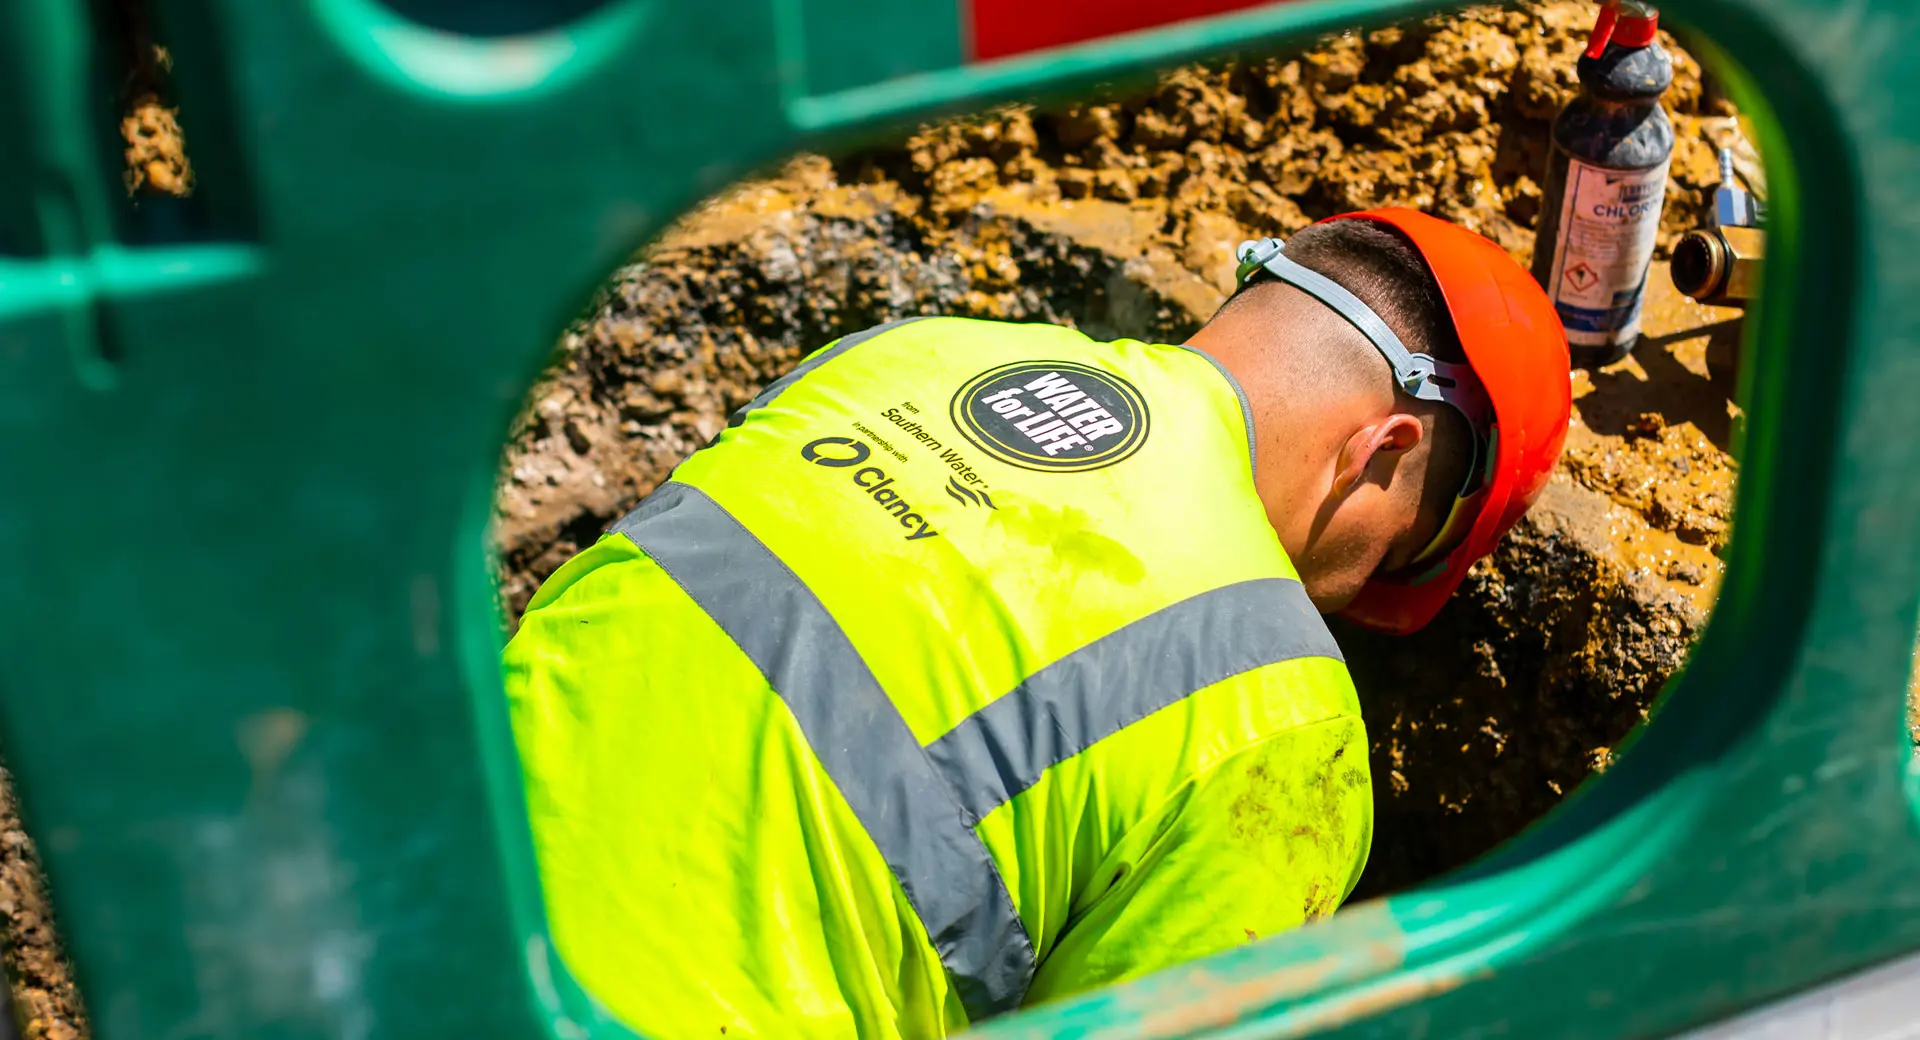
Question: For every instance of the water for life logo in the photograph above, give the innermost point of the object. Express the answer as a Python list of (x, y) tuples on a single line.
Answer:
[(1052, 415)]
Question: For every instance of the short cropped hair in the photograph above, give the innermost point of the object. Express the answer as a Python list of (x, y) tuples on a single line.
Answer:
[(1381, 266)]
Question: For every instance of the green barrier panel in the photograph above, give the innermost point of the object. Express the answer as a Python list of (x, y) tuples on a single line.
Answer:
[(247, 664)]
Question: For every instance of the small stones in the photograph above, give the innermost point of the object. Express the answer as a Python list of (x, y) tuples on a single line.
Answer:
[(578, 437), (1688, 571), (666, 383), (1117, 185), (1082, 125), (1075, 183)]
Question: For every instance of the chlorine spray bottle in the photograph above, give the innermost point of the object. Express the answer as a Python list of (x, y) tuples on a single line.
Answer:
[(1606, 181)]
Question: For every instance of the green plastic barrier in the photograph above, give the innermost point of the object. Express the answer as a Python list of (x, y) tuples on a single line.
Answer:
[(248, 658)]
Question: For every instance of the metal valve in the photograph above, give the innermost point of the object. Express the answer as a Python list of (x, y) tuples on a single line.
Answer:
[(1720, 263)]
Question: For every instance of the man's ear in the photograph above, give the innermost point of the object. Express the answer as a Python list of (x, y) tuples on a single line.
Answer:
[(1388, 439)]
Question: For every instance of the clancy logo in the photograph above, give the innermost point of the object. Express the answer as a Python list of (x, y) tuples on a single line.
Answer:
[(827, 451), (846, 453), (1052, 415)]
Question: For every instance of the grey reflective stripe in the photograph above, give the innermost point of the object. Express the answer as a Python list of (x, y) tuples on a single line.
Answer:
[(1246, 406), (841, 346), (857, 734), (1119, 679)]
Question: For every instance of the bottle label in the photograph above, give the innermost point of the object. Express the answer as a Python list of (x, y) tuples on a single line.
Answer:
[(1608, 220)]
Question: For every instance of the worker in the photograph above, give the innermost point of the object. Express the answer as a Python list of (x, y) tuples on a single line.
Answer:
[(977, 664)]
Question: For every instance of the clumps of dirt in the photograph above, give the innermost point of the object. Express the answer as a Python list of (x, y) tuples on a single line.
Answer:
[(736, 294), (46, 1003), (156, 152), (1448, 115), (1669, 474), (1548, 656), (1559, 642), (156, 156), (1913, 708), (1913, 703)]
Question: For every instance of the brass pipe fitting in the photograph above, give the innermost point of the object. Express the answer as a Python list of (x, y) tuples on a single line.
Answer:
[(1719, 265)]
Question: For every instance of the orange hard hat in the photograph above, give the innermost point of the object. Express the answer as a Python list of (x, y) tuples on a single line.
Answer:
[(1517, 397)]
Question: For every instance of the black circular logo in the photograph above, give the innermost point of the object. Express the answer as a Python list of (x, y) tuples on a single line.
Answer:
[(1052, 415), (826, 452)]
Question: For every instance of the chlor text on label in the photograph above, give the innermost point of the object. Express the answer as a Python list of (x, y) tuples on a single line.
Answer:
[(1608, 219)]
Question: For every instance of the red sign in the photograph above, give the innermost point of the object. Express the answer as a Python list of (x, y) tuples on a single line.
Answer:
[(999, 28)]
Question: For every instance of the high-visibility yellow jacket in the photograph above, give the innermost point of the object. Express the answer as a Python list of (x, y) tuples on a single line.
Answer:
[(962, 671)]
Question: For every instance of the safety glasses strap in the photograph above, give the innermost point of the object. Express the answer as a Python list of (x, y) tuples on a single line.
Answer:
[(1414, 372), (1420, 375)]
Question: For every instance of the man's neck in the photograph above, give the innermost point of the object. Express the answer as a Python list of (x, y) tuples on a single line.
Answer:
[(1298, 429), (1294, 446)]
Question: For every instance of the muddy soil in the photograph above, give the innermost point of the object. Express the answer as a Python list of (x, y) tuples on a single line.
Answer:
[(1913, 708), (156, 148), (1556, 645), (45, 1002), (156, 153), (1448, 115)]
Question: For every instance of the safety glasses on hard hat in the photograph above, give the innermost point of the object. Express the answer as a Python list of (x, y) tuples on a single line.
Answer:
[(1420, 375)]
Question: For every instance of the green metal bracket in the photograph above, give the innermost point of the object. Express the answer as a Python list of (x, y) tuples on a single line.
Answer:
[(247, 665)]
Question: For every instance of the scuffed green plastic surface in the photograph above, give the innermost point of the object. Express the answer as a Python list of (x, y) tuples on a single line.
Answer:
[(247, 658)]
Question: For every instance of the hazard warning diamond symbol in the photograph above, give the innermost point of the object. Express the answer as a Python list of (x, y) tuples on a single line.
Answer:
[(1581, 277)]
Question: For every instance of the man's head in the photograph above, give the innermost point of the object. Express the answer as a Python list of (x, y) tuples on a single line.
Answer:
[(1375, 478), (1359, 477)]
